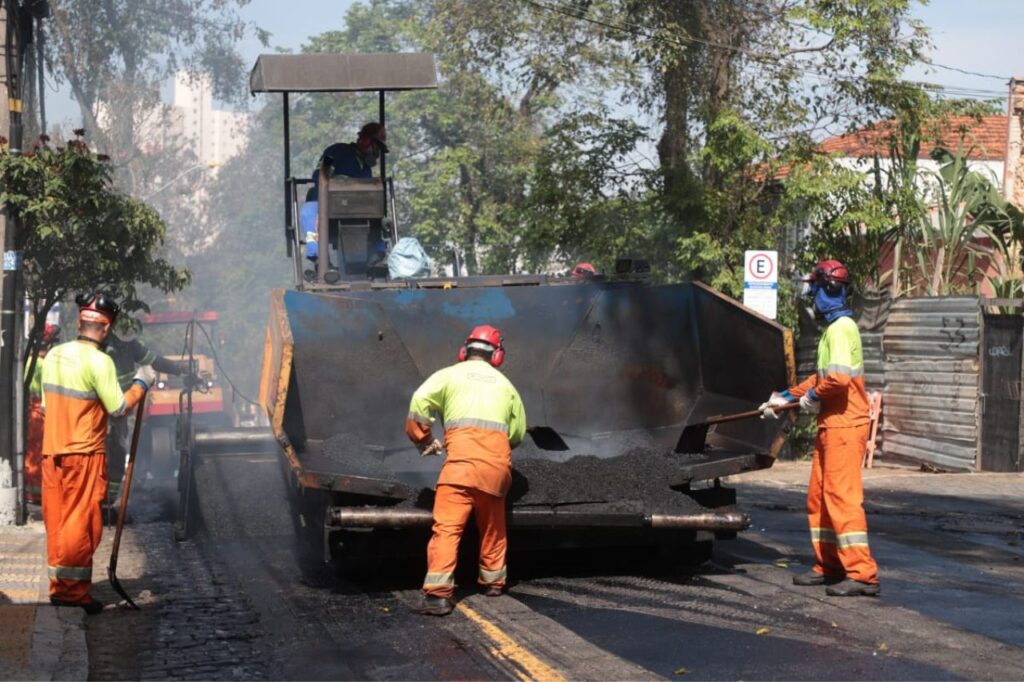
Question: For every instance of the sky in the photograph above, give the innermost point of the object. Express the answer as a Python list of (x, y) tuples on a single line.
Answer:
[(982, 36)]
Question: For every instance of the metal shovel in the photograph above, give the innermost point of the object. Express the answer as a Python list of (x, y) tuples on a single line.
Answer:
[(125, 489), (693, 437)]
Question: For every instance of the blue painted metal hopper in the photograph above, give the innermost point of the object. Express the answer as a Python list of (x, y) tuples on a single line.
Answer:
[(603, 367)]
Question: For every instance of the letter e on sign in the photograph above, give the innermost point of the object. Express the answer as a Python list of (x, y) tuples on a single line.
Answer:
[(761, 266)]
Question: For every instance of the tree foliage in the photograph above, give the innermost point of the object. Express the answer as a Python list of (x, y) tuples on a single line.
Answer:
[(566, 130), (115, 54), (79, 233)]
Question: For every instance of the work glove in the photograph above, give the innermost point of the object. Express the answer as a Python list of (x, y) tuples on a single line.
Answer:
[(145, 376), (809, 403), (432, 448), (767, 408)]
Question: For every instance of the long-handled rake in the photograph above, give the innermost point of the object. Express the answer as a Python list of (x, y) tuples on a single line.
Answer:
[(125, 489)]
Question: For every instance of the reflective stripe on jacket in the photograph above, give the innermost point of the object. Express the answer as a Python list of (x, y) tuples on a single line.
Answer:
[(483, 418), (839, 382), (79, 389)]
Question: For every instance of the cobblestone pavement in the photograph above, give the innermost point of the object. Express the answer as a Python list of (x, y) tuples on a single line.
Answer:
[(192, 623)]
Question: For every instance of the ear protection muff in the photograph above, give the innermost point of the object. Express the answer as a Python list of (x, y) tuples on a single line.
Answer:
[(497, 357)]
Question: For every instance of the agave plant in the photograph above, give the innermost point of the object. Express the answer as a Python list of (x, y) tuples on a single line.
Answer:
[(964, 225)]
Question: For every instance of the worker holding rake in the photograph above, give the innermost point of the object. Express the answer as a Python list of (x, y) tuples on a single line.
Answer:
[(837, 395)]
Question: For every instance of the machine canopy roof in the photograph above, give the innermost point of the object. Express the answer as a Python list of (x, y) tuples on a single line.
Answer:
[(342, 72)]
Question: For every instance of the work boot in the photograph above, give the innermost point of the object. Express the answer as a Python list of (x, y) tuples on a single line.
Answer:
[(493, 591), (853, 588), (429, 605), (812, 578), (90, 606)]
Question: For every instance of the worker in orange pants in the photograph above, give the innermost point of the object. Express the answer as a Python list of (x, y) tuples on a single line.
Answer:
[(483, 420), (837, 395), (835, 499), (34, 451), (80, 391), (34, 427), (453, 506), (73, 489)]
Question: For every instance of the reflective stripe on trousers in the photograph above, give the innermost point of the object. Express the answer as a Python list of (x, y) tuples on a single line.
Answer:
[(855, 539), (70, 572), (823, 535), (439, 580), (488, 577)]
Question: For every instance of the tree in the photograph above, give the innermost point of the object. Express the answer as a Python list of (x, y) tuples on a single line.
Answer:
[(78, 232), (115, 54)]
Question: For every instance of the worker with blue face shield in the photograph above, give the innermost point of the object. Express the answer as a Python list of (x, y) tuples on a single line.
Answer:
[(837, 395)]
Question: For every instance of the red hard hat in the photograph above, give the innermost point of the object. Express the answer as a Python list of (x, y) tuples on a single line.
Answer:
[(488, 339), (830, 271), (583, 270), (485, 334), (51, 335)]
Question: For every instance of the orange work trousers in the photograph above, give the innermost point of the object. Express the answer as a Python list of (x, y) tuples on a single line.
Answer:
[(452, 506), (73, 489), (34, 451), (835, 505)]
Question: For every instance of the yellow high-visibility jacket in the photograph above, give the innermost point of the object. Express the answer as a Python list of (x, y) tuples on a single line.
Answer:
[(80, 389), (483, 420), (839, 381)]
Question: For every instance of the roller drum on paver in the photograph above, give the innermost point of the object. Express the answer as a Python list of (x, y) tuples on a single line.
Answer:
[(606, 370)]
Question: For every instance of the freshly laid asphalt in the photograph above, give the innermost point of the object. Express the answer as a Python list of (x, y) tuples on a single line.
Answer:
[(234, 604)]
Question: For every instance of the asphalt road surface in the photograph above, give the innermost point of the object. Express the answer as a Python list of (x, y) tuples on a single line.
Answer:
[(233, 603)]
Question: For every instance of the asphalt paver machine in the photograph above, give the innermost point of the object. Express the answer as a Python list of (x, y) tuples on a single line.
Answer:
[(610, 369)]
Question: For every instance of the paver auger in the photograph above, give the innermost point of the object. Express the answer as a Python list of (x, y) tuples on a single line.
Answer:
[(610, 368)]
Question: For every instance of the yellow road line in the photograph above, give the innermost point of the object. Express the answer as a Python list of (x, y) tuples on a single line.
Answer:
[(507, 648)]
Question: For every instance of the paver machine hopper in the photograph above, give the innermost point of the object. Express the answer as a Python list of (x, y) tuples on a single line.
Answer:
[(610, 369)]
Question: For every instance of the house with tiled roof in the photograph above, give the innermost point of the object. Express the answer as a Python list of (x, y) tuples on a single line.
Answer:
[(993, 146), (986, 140)]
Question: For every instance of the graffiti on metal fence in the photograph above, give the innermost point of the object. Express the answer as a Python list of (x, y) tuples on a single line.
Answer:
[(999, 352), (953, 330)]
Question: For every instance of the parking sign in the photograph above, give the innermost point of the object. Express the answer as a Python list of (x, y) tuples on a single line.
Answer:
[(761, 282)]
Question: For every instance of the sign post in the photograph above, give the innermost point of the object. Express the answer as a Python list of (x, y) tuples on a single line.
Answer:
[(761, 282)]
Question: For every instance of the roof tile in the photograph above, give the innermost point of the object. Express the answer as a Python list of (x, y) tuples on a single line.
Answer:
[(985, 138)]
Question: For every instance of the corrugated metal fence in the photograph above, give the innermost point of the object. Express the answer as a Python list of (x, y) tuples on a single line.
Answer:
[(926, 363), (930, 412)]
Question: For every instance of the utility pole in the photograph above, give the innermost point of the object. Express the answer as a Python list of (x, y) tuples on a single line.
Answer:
[(11, 452)]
